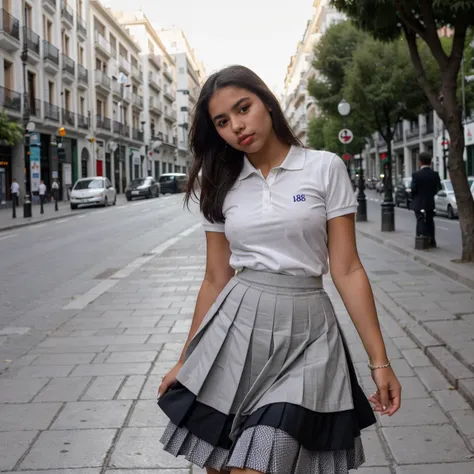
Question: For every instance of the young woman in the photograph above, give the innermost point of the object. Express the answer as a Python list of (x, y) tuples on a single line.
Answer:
[(265, 383)]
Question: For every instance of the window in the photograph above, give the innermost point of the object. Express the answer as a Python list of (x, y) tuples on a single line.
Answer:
[(29, 15), (80, 56), (67, 100), (31, 80), (79, 8), (66, 44), (99, 108), (51, 92), (47, 28), (82, 106), (98, 64), (8, 74)]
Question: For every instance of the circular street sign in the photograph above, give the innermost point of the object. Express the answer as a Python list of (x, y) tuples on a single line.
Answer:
[(345, 136)]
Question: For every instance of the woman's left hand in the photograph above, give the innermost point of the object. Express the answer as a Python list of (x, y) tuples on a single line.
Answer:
[(387, 398)]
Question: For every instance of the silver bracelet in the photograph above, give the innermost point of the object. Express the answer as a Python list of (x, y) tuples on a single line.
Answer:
[(373, 367)]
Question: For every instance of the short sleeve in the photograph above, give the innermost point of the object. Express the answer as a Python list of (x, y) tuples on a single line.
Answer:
[(212, 226), (340, 196)]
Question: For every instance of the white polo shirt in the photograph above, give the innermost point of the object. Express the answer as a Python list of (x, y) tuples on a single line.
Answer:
[(278, 224)]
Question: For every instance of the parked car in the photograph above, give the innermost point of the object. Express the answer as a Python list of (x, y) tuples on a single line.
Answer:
[(379, 186), (445, 200), (142, 187), (93, 190), (403, 193), (172, 182)]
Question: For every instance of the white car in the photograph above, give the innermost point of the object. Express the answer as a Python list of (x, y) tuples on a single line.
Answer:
[(445, 200), (93, 190)]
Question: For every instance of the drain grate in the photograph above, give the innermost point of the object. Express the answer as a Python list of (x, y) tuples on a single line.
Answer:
[(106, 273)]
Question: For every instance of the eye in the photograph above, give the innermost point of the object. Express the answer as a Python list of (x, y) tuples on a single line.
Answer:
[(222, 122), (244, 108)]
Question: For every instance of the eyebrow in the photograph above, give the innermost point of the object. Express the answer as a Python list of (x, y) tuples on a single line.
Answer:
[(235, 106)]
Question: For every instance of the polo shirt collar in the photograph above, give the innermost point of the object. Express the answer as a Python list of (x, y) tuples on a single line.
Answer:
[(294, 160)]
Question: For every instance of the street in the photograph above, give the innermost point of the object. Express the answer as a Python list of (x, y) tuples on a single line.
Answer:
[(96, 307)]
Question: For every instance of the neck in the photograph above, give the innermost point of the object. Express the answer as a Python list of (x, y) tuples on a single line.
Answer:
[(271, 155)]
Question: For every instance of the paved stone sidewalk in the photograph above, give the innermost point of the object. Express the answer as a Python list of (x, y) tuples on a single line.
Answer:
[(84, 399)]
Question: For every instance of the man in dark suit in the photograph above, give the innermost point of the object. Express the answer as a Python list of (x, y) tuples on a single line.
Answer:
[(424, 186)]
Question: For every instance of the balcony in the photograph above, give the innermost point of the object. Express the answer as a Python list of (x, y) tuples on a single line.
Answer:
[(67, 15), (51, 57), (103, 123), (102, 81), (51, 112), (154, 82), (168, 95), (126, 131), (137, 134), (170, 115), (69, 69), (33, 44), (69, 118), (9, 31), (81, 27), (35, 108), (102, 44), (155, 59), (82, 77), (155, 106), (82, 122), (124, 65), (50, 6), (427, 129), (137, 73), (414, 132), (10, 100), (137, 101), (168, 74), (116, 127)]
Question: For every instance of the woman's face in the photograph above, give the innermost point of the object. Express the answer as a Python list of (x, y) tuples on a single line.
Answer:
[(240, 118)]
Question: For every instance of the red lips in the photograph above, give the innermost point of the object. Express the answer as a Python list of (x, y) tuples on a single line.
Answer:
[(244, 138)]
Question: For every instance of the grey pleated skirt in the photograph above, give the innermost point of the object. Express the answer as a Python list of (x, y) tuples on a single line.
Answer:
[(268, 383)]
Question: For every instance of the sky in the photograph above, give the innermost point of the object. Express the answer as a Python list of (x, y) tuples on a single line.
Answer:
[(260, 34)]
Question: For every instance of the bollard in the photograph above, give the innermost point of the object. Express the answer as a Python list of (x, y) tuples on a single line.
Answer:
[(421, 242), (56, 200), (14, 205), (41, 204)]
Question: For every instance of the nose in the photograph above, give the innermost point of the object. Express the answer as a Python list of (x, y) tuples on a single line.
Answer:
[(237, 125)]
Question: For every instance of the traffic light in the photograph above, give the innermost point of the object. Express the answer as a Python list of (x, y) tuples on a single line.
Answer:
[(61, 154)]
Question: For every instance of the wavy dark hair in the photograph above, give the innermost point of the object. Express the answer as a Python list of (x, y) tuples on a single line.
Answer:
[(219, 165)]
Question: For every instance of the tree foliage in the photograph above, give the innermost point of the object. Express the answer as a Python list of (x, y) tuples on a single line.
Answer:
[(10, 132), (420, 24)]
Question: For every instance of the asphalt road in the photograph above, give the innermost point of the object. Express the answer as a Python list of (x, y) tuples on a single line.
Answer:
[(43, 266), (448, 232)]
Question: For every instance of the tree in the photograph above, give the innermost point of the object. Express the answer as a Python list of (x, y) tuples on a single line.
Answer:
[(11, 132), (420, 23)]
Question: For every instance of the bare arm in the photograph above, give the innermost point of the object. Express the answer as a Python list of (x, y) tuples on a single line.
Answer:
[(218, 274), (353, 285)]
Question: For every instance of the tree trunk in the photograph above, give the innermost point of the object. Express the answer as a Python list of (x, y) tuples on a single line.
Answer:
[(457, 172)]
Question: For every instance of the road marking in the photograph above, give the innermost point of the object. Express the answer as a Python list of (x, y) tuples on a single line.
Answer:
[(9, 236), (81, 216), (60, 221), (87, 298), (442, 228), (38, 226), (121, 207)]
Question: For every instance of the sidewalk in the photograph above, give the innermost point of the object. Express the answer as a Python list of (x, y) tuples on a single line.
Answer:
[(441, 259), (8, 223), (85, 397)]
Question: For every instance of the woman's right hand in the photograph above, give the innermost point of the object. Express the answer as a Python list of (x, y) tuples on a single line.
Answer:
[(169, 379)]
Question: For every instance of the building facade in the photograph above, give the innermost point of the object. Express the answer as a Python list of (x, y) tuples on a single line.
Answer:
[(160, 113), (117, 100), (299, 107), (189, 78), (57, 84)]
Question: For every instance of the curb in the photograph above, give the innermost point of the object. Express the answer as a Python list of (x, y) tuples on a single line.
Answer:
[(31, 223), (458, 374), (418, 257)]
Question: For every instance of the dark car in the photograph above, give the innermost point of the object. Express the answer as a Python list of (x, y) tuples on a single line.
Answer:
[(142, 187), (172, 182), (403, 193)]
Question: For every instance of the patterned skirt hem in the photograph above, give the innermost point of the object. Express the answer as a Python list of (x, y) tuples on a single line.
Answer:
[(264, 449)]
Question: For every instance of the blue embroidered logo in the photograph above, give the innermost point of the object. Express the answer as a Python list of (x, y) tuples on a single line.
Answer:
[(299, 198)]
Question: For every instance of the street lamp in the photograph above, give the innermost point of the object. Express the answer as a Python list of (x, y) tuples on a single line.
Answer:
[(344, 110), (26, 119), (361, 215)]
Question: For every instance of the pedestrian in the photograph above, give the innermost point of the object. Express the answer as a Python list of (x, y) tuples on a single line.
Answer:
[(42, 191), (55, 189), (265, 382), (425, 184), (15, 192)]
